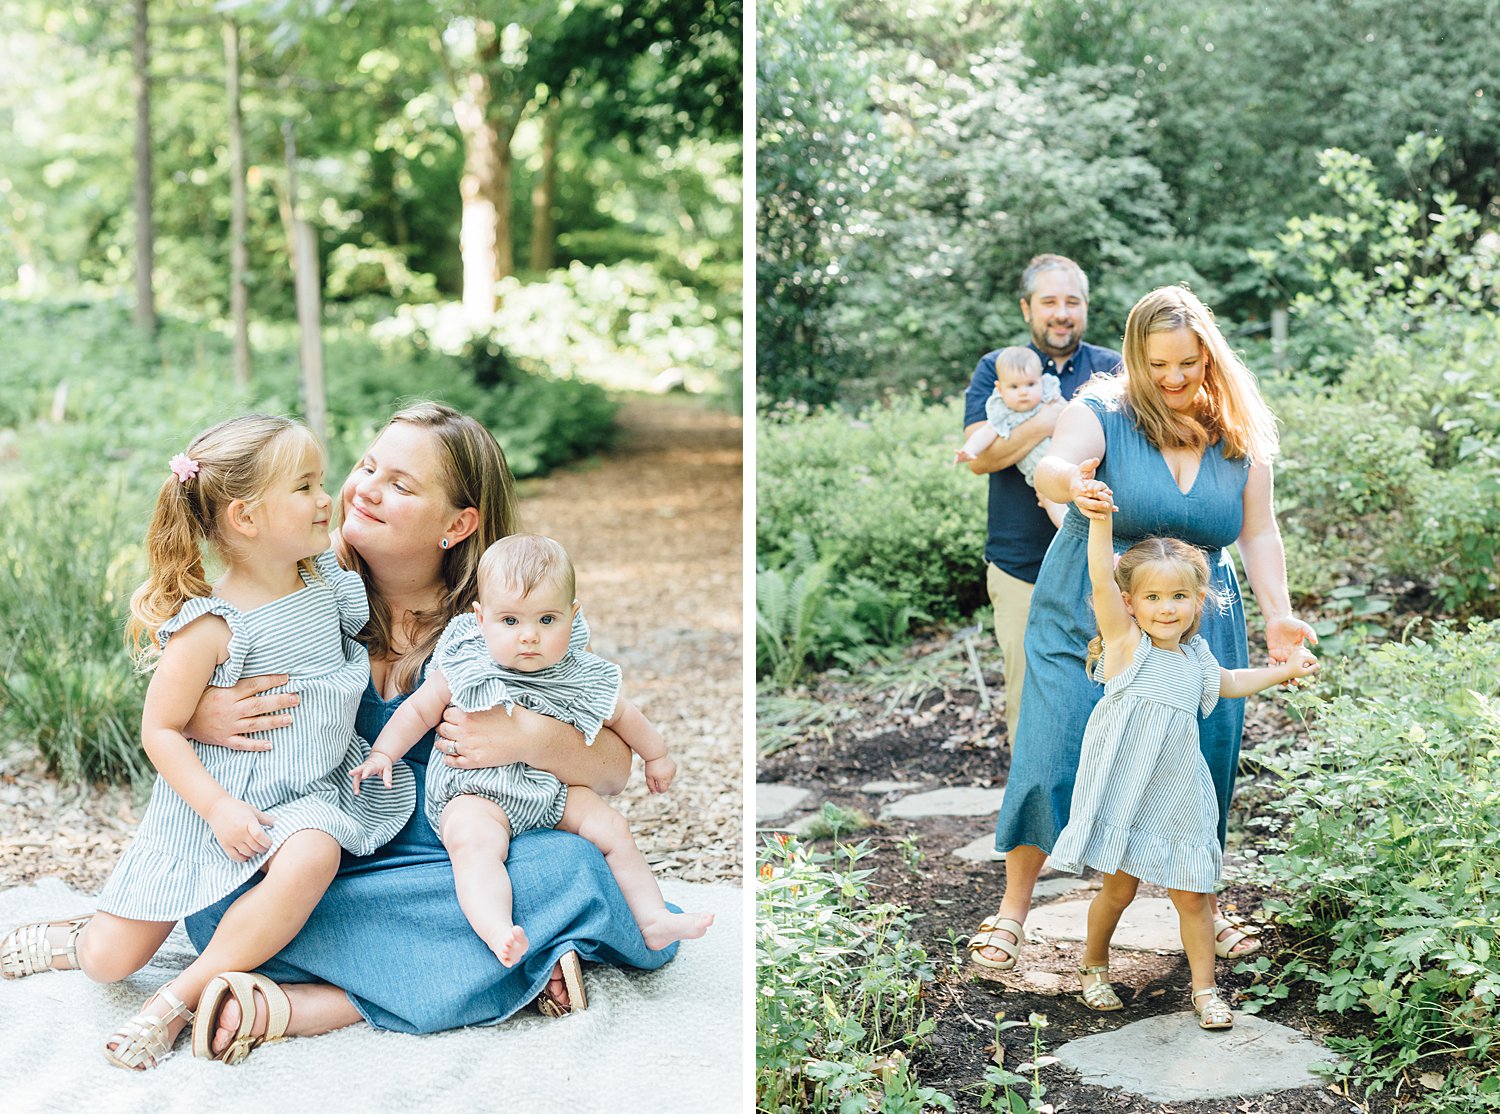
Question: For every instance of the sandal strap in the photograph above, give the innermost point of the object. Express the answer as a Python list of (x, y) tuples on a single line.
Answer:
[(1215, 1010), (242, 987), (987, 936), (1098, 995), (25, 951), (142, 1040)]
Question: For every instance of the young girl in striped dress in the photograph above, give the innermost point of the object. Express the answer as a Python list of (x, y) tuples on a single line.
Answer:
[(1143, 803), (252, 489), (526, 644)]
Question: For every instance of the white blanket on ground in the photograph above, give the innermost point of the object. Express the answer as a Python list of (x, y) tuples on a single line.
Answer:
[(656, 1042)]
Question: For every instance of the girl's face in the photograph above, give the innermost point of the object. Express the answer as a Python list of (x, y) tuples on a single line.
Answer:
[(394, 504), (1177, 366), (1163, 603), (525, 632), (293, 517)]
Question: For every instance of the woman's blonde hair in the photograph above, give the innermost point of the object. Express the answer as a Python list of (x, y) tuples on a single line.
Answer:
[(472, 473), (1184, 559), (524, 562), (240, 459), (1230, 407)]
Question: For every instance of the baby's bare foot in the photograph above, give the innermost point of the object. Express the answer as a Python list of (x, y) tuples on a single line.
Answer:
[(513, 946), (668, 927)]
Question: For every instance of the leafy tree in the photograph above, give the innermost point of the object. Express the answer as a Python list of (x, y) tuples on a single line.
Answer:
[(821, 164), (983, 187)]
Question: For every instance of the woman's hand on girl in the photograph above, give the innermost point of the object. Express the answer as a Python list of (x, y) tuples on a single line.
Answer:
[(239, 828), (1285, 635), (225, 717)]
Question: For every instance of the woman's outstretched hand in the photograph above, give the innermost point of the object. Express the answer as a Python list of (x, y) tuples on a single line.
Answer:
[(225, 717), (1284, 635), (1092, 497)]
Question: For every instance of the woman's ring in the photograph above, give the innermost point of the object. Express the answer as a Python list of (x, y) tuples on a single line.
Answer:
[(452, 748)]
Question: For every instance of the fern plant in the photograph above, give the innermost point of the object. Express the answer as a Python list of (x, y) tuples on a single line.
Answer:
[(807, 616)]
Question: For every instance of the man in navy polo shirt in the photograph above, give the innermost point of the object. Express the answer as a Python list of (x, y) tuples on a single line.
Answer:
[(1055, 304)]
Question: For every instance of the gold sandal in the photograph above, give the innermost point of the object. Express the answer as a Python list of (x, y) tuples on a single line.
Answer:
[(1238, 933), (988, 937), (1215, 1012), (141, 1041), (241, 987), (25, 951), (578, 999), (1100, 995)]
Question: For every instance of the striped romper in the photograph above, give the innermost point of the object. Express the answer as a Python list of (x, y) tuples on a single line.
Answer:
[(1144, 800), (582, 689), (175, 866)]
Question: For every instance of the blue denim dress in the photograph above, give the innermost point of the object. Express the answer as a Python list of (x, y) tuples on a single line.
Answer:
[(390, 933), (1058, 695)]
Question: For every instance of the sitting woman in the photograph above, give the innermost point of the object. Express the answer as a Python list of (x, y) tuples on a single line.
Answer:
[(388, 943)]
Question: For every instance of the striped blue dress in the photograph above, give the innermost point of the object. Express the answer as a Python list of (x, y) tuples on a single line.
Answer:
[(175, 866), (1144, 800), (582, 689)]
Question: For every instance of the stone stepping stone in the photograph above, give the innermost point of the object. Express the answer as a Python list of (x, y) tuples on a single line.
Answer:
[(878, 787), (981, 850), (960, 800), (773, 799), (1150, 924), (1169, 1059), (1062, 884)]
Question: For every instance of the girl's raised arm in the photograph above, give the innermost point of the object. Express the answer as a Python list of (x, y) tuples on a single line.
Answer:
[(1115, 623)]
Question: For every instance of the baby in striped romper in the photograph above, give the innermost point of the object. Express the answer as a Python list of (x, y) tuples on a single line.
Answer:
[(526, 644)]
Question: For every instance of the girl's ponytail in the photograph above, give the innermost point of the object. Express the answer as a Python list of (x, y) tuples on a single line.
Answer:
[(174, 559)]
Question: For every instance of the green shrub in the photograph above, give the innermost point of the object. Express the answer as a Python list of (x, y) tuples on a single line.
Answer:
[(69, 558), (1391, 813), (1456, 541), (876, 495), (808, 615), (1348, 477), (619, 326), (838, 988)]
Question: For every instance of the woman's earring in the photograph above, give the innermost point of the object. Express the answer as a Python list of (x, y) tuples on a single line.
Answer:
[(444, 543)]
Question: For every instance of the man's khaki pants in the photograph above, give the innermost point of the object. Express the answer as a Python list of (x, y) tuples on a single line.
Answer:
[(1012, 601)]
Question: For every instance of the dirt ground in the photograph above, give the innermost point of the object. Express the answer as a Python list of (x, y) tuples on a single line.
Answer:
[(938, 737), (654, 528)]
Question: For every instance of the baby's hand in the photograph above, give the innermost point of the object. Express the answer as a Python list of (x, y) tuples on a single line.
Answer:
[(961, 455), (239, 828), (660, 772), (377, 764)]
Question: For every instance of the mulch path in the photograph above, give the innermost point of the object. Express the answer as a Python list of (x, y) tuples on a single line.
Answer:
[(654, 528)]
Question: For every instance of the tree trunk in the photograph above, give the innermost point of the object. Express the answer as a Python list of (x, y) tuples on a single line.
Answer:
[(239, 255), (544, 193), (304, 249), (487, 126), (145, 226)]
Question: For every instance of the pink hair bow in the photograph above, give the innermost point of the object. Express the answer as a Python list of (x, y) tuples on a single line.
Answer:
[(183, 467)]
